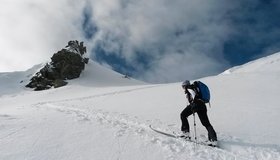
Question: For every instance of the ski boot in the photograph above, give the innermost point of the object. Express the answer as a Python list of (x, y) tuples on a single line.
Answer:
[(212, 143), (185, 135)]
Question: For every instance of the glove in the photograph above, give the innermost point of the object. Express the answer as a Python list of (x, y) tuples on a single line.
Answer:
[(189, 97), (193, 107)]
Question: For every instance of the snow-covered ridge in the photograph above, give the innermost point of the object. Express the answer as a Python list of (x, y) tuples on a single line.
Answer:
[(14, 82), (94, 75), (267, 64)]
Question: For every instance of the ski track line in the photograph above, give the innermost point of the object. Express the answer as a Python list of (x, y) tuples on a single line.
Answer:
[(176, 149), (99, 95), (12, 133)]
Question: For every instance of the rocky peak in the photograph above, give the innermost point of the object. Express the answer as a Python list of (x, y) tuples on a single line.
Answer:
[(66, 64)]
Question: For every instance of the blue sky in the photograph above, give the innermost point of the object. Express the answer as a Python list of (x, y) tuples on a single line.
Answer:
[(155, 41), (258, 35)]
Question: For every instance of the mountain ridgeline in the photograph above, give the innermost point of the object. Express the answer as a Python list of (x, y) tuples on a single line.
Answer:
[(66, 64)]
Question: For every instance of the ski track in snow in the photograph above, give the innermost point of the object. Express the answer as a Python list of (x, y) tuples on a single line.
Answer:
[(102, 95), (174, 149)]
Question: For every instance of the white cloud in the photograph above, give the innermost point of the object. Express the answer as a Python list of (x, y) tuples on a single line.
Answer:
[(180, 66), (32, 30), (167, 32)]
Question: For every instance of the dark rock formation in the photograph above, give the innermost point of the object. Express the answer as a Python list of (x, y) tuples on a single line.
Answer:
[(66, 64)]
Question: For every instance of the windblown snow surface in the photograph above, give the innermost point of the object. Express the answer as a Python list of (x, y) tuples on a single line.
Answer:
[(104, 116)]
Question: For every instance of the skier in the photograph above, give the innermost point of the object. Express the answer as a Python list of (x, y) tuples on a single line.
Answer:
[(196, 106)]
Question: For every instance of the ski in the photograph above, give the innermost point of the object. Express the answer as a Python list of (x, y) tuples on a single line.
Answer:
[(172, 135), (164, 133)]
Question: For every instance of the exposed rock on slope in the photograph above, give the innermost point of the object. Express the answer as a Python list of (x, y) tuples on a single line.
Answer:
[(67, 63)]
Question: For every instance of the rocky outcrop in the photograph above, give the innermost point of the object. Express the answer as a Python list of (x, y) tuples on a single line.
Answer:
[(66, 64)]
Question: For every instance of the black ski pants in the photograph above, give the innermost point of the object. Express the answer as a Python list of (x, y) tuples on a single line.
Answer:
[(201, 110)]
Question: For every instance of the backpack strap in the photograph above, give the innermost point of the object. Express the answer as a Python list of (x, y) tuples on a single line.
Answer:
[(197, 91)]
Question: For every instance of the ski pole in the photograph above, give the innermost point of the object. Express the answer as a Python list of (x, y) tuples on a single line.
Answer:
[(194, 124)]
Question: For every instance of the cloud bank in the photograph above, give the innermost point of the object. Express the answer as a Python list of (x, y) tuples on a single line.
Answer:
[(155, 41), (32, 30), (182, 39)]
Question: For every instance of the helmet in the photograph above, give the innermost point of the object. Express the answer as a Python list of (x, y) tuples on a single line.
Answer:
[(186, 83)]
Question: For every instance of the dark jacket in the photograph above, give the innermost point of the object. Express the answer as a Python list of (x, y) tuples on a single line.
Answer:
[(197, 96)]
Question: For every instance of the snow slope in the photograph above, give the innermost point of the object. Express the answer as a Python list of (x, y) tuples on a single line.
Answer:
[(269, 64), (105, 116)]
